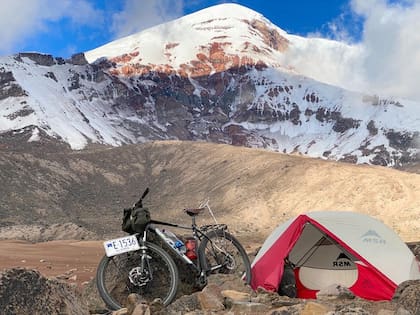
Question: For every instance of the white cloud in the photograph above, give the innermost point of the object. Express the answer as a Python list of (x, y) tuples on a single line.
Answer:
[(21, 19), (139, 15), (17, 20), (391, 42), (385, 60)]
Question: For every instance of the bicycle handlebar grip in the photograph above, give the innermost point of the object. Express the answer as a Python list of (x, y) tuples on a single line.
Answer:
[(140, 202)]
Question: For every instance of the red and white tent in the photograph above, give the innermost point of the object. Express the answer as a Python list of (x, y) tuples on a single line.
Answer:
[(336, 248)]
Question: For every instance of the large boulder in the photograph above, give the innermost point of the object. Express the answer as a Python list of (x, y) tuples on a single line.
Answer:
[(24, 291), (407, 296)]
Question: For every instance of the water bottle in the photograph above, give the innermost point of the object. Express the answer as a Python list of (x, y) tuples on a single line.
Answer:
[(174, 241), (179, 245), (191, 244)]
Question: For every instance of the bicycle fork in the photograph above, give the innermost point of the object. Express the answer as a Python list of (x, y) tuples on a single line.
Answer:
[(141, 275)]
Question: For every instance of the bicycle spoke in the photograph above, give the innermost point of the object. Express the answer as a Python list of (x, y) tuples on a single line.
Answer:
[(224, 254), (124, 274)]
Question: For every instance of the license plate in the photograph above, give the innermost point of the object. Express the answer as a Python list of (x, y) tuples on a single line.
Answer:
[(121, 245)]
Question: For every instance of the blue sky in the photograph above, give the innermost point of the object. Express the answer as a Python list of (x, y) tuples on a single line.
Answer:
[(64, 27)]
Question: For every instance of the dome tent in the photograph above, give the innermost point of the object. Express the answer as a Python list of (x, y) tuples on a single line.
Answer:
[(336, 248)]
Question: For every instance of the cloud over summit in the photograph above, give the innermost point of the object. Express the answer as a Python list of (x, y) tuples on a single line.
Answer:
[(386, 60)]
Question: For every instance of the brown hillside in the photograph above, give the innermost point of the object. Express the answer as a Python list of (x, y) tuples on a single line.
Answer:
[(252, 190)]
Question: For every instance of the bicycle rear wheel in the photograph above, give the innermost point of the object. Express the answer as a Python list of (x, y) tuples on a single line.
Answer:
[(121, 275), (221, 252)]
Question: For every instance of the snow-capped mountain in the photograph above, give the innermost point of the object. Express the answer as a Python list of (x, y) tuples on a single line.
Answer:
[(224, 74)]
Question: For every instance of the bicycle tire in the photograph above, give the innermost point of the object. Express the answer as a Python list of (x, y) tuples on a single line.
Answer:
[(114, 285), (219, 247)]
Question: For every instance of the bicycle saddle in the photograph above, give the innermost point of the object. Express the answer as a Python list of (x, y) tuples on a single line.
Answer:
[(193, 211)]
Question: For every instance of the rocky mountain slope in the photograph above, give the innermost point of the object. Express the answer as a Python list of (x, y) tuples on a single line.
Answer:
[(224, 74)]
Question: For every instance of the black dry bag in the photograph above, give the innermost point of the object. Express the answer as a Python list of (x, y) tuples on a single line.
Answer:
[(135, 220)]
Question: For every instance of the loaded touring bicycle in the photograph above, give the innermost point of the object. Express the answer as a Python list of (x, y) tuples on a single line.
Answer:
[(137, 264)]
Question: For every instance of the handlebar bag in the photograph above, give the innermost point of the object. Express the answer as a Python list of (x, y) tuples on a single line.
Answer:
[(135, 220)]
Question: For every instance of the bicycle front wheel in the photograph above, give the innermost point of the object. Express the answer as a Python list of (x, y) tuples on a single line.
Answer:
[(221, 252), (151, 275)]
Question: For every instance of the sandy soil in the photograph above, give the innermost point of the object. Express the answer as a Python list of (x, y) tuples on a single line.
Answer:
[(72, 261)]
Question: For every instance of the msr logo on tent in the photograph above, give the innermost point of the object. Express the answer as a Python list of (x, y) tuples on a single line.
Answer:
[(342, 261), (371, 237)]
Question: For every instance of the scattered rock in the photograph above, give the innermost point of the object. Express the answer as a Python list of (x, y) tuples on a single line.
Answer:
[(236, 296), (24, 291), (403, 311), (91, 297), (141, 309), (229, 282), (219, 298), (132, 301), (273, 299), (185, 304), (137, 306), (246, 308), (351, 310), (407, 296), (335, 291), (313, 308), (210, 298), (122, 311), (156, 307), (62, 277)]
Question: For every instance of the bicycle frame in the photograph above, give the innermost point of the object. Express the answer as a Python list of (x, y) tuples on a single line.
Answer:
[(197, 234)]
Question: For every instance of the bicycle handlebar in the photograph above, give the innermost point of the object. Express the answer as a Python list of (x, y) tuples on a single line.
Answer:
[(139, 203)]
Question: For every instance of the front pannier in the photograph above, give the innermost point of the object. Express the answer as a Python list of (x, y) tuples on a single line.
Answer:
[(135, 220)]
